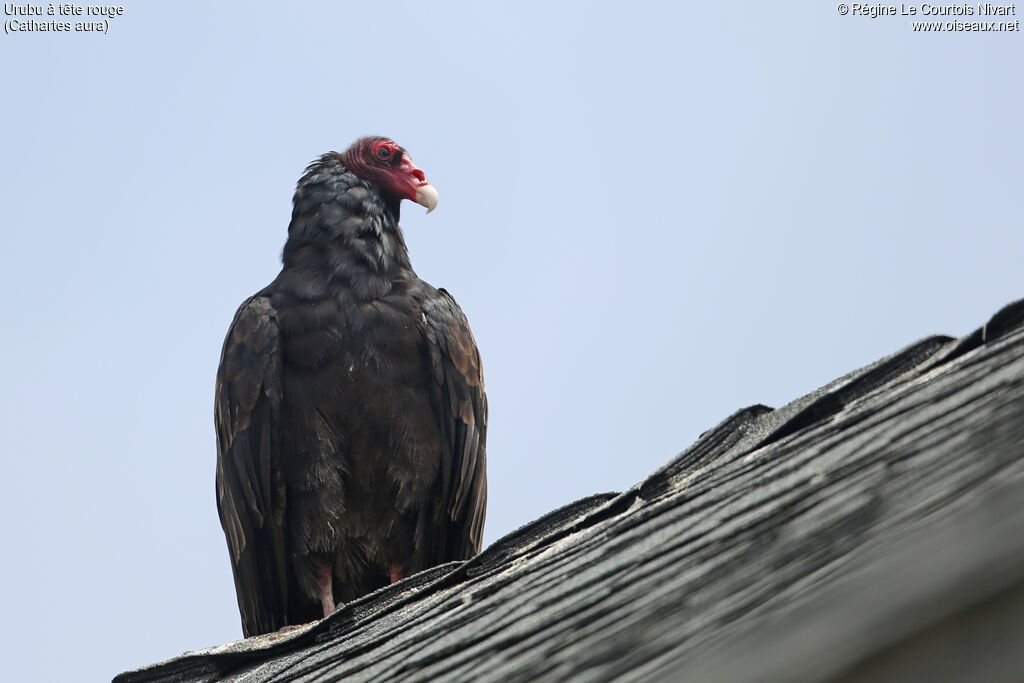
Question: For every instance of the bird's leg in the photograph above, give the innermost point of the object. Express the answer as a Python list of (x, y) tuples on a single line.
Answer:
[(325, 579), (396, 573)]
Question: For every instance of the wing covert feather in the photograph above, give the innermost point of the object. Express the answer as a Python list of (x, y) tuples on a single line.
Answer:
[(462, 408), (250, 495)]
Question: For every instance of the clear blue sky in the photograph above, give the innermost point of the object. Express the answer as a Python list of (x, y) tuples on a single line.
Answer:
[(653, 215)]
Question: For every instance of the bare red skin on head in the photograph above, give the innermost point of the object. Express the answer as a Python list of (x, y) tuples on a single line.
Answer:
[(382, 162)]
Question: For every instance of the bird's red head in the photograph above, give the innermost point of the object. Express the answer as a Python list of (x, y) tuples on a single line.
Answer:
[(382, 162)]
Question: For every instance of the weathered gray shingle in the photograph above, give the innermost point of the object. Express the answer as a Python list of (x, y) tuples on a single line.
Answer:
[(869, 531)]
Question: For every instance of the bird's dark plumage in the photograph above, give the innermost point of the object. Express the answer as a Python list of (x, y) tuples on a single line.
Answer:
[(350, 407)]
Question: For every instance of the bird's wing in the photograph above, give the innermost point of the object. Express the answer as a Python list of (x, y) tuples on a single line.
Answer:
[(461, 405), (250, 492)]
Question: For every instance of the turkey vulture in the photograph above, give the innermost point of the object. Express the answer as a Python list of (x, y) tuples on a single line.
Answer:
[(350, 406)]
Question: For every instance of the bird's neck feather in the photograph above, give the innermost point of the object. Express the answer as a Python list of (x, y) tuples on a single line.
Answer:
[(344, 234)]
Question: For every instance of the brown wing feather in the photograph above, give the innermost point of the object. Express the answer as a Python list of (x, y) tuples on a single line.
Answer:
[(462, 409), (250, 494)]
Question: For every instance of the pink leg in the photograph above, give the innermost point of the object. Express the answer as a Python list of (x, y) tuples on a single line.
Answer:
[(396, 573), (325, 577)]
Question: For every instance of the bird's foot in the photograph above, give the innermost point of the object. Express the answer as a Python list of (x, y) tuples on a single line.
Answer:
[(325, 579)]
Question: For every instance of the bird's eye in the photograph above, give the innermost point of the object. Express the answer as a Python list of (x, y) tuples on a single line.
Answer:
[(384, 153)]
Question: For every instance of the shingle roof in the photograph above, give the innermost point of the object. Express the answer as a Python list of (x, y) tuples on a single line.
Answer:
[(872, 528)]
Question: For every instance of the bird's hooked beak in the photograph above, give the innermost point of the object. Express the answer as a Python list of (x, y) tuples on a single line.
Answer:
[(426, 196), (423, 193)]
